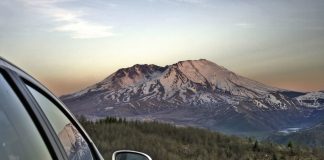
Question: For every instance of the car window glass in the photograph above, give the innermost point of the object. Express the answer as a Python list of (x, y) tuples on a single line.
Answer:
[(74, 144), (19, 137)]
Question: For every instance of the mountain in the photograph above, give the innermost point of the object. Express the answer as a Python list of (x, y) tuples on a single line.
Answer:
[(194, 92), (312, 99)]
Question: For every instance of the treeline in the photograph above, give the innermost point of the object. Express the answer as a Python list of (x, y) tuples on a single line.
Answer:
[(168, 142)]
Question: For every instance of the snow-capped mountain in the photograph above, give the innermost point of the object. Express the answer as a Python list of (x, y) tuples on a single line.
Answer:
[(194, 92), (312, 99), (186, 82)]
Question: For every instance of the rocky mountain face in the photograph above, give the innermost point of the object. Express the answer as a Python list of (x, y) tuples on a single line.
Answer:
[(197, 93)]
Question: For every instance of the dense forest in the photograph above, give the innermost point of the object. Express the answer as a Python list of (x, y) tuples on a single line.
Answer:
[(168, 142)]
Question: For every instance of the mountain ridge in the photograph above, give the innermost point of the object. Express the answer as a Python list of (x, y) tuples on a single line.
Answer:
[(177, 67)]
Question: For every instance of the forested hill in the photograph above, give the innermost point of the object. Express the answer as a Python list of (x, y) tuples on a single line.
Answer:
[(313, 137), (167, 142)]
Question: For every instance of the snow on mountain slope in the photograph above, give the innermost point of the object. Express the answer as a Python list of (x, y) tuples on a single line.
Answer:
[(217, 77), (123, 78), (312, 99)]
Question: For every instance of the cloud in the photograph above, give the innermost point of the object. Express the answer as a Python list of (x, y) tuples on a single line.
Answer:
[(84, 30), (70, 21)]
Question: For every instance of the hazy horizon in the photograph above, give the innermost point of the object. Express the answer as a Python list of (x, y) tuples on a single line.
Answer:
[(70, 44), (83, 83)]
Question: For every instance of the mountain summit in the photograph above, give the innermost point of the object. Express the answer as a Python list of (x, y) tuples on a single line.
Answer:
[(192, 92)]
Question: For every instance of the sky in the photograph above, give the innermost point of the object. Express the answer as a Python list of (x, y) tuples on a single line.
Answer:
[(71, 44)]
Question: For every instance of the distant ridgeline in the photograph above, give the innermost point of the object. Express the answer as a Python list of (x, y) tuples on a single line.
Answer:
[(313, 137)]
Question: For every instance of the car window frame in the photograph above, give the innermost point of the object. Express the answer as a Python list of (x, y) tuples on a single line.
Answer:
[(20, 79), (11, 78), (50, 96)]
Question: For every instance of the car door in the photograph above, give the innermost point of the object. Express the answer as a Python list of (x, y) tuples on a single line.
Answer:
[(64, 137), (21, 136), (72, 137)]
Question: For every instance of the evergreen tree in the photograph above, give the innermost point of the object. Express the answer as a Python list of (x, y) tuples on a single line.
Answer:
[(256, 146), (290, 146)]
